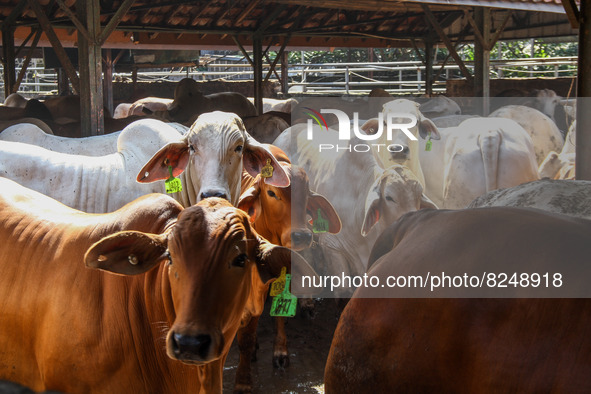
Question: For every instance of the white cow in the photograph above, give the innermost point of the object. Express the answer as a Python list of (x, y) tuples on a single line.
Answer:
[(409, 154), (439, 106), (543, 131), (270, 104), (209, 157), (366, 196), (98, 145), (480, 155), (567, 197), (562, 165)]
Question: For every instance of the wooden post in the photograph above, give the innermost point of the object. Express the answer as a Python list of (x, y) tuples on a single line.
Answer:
[(9, 59), (583, 150), (428, 68), (63, 83), (257, 54), (284, 72), (108, 82), (90, 69), (482, 59)]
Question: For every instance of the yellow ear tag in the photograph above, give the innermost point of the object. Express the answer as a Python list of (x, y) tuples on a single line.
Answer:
[(173, 185), (279, 284), (429, 144), (267, 170), (320, 225), (284, 304)]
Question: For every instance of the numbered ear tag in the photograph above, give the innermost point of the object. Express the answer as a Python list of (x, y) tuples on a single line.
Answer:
[(267, 170), (173, 185), (285, 303), (429, 144), (279, 284), (320, 225)]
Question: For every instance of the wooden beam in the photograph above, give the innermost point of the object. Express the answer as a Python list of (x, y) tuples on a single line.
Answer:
[(90, 68), (14, 14), (499, 31), (270, 19), (251, 6), (25, 42), (257, 54), (572, 12), (583, 142), (284, 72), (27, 60), (433, 21), (108, 81), (482, 60), (416, 48), (248, 59), (56, 44), (8, 58), (74, 19), (477, 32), (112, 24), (279, 54)]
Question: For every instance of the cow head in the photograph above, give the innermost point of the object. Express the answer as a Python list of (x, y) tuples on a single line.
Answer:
[(280, 213), (188, 101), (396, 192), (212, 155), (408, 155), (215, 266)]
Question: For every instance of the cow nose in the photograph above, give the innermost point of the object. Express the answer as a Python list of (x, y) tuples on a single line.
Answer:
[(214, 193), (401, 153), (189, 346), (299, 238)]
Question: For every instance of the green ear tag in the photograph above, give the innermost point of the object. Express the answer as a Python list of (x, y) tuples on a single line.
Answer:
[(285, 303), (320, 225), (279, 284), (267, 170), (429, 143), (173, 185)]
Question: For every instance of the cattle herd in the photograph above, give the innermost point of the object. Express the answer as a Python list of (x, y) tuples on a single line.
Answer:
[(111, 283)]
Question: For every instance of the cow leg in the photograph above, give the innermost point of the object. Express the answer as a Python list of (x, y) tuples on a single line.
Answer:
[(280, 354), (247, 343)]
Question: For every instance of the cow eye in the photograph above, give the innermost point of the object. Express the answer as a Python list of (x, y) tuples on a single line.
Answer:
[(168, 258), (388, 198), (192, 148), (271, 193), (238, 149), (240, 260)]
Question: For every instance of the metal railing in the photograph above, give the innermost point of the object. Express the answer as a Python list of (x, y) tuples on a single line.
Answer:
[(334, 78)]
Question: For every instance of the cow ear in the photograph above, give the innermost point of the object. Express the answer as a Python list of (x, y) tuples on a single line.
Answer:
[(271, 258), (318, 201), (372, 207), (250, 202), (427, 126), (255, 158), (127, 252), (426, 203), (174, 154), (371, 126)]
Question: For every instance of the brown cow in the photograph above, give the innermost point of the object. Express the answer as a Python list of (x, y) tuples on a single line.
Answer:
[(189, 103), (279, 214), (490, 345), (163, 325)]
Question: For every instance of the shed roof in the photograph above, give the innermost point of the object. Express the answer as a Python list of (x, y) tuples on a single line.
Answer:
[(200, 24)]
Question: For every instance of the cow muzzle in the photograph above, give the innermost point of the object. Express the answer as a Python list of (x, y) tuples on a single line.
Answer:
[(214, 193), (192, 349), (301, 240)]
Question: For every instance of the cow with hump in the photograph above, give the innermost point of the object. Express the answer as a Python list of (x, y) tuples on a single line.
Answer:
[(157, 312), (208, 159), (484, 345)]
